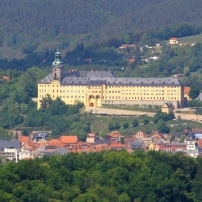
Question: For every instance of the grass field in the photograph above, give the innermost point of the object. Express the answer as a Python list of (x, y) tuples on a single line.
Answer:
[(191, 39)]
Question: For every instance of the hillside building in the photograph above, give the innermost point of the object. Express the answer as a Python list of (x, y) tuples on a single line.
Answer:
[(174, 41), (98, 88)]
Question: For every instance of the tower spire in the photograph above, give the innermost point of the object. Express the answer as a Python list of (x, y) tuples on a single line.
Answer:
[(57, 61), (57, 66)]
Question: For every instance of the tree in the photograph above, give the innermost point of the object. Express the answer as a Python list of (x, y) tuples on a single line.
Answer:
[(194, 92), (145, 121), (135, 123), (45, 102), (164, 116), (58, 107), (125, 124), (113, 125), (162, 127)]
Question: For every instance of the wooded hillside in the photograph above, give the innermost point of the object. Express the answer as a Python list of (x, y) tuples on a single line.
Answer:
[(103, 177), (28, 23)]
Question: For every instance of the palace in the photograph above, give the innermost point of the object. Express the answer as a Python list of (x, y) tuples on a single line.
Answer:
[(97, 88)]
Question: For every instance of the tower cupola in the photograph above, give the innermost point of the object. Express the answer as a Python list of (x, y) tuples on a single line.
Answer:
[(57, 66)]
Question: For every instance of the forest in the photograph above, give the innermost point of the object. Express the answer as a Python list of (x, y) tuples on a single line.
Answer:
[(34, 25), (103, 177)]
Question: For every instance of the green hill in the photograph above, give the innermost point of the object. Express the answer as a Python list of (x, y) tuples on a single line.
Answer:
[(33, 24)]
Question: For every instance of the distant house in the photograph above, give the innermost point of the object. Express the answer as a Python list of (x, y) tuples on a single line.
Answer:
[(91, 138), (123, 46), (167, 108), (114, 136), (63, 141), (157, 137), (99, 141), (178, 75), (194, 131), (129, 139), (69, 139), (199, 97), (170, 147), (7, 78), (9, 149), (25, 154), (174, 41), (61, 151), (88, 60), (192, 149), (131, 61), (136, 145), (140, 135), (186, 92), (176, 136), (38, 136)]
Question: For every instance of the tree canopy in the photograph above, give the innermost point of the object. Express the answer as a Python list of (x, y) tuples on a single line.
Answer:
[(106, 176), (33, 25), (194, 92)]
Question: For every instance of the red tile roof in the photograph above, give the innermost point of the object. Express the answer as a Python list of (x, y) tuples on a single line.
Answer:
[(23, 139), (129, 139), (186, 90), (115, 134), (7, 78), (132, 60), (200, 143), (69, 139)]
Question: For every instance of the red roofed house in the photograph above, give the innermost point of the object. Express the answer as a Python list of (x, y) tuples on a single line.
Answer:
[(170, 147), (69, 139), (174, 41), (63, 141), (23, 139), (140, 135), (115, 136), (7, 78), (186, 92), (131, 61), (91, 138), (132, 45), (117, 146), (129, 139), (124, 46)]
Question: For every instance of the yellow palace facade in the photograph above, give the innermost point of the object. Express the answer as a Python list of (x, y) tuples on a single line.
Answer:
[(97, 88)]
